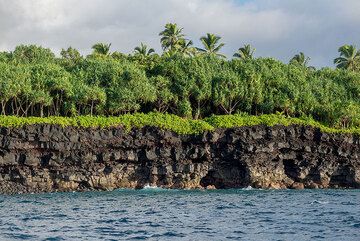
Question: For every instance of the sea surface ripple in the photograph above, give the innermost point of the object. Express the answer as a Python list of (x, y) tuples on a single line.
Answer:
[(156, 214)]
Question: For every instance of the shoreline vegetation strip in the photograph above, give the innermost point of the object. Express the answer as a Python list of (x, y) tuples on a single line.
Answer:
[(171, 122)]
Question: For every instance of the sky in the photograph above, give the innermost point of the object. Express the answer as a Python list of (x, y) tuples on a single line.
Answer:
[(276, 28)]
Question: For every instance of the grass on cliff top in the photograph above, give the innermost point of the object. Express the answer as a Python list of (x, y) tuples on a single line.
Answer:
[(128, 121), (230, 121), (170, 122)]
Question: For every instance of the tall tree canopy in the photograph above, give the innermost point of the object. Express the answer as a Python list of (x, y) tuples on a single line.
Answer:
[(245, 53), (212, 45), (186, 48), (349, 58), (101, 49), (143, 50), (300, 59), (171, 37), (27, 54)]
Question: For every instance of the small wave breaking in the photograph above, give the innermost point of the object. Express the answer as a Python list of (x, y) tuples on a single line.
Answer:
[(150, 187), (319, 202)]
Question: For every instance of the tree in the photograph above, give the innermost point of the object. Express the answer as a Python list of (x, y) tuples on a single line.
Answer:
[(70, 57), (50, 86), (60, 88), (13, 83), (171, 53), (89, 99), (245, 53), (187, 49), (350, 115), (164, 97), (119, 56), (228, 91), (5, 56), (190, 82), (171, 37), (143, 50), (349, 58), (300, 60), (31, 54), (70, 54), (126, 84), (252, 82), (101, 49), (211, 45), (40, 94)]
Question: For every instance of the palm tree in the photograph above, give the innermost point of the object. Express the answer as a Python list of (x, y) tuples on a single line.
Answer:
[(186, 48), (143, 50), (300, 59), (245, 53), (170, 53), (211, 45), (101, 49), (349, 58), (171, 36)]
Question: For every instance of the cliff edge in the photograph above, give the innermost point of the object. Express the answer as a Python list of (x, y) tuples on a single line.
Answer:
[(50, 158)]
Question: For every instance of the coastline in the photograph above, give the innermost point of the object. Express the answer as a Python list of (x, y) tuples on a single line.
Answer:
[(50, 158)]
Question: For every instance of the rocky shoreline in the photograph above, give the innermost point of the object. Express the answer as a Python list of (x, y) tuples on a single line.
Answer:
[(50, 158)]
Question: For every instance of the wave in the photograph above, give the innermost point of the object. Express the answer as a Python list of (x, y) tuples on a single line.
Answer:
[(319, 202), (248, 188), (154, 188)]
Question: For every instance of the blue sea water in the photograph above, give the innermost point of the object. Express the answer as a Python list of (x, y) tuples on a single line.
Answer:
[(156, 214)]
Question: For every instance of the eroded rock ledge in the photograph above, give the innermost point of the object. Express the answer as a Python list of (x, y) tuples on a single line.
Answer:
[(49, 158)]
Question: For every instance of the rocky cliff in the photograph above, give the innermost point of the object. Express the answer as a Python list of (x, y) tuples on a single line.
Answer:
[(48, 158)]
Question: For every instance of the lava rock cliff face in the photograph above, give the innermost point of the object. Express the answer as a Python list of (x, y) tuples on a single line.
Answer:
[(49, 158)]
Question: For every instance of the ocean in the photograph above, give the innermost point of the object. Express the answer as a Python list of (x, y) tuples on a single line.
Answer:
[(158, 214)]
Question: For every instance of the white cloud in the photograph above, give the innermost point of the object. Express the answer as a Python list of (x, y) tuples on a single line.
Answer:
[(278, 28)]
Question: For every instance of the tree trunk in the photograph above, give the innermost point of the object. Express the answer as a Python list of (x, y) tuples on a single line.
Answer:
[(198, 110), (41, 110), (3, 104), (27, 109), (92, 107), (17, 108)]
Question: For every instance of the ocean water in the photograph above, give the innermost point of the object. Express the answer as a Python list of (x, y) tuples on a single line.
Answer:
[(156, 214)]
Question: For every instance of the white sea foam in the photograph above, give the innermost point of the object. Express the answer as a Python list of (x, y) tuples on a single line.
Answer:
[(248, 188), (149, 187), (319, 202)]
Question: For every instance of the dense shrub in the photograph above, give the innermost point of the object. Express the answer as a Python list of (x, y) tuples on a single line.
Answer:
[(171, 122), (128, 121)]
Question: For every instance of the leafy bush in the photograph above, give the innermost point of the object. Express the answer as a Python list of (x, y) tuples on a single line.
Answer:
[(238, 120), (171, 122), (128, 121)]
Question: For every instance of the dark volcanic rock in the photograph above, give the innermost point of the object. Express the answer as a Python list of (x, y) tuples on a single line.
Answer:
[(48, 158)]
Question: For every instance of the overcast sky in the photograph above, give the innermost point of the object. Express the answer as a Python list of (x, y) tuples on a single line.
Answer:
[(277, 28)]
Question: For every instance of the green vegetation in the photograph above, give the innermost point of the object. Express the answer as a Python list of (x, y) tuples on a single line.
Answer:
[(211, 44), (245, 53), (128, 121), (187, 81), (171, 122), (239, 120), (302, 61)]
